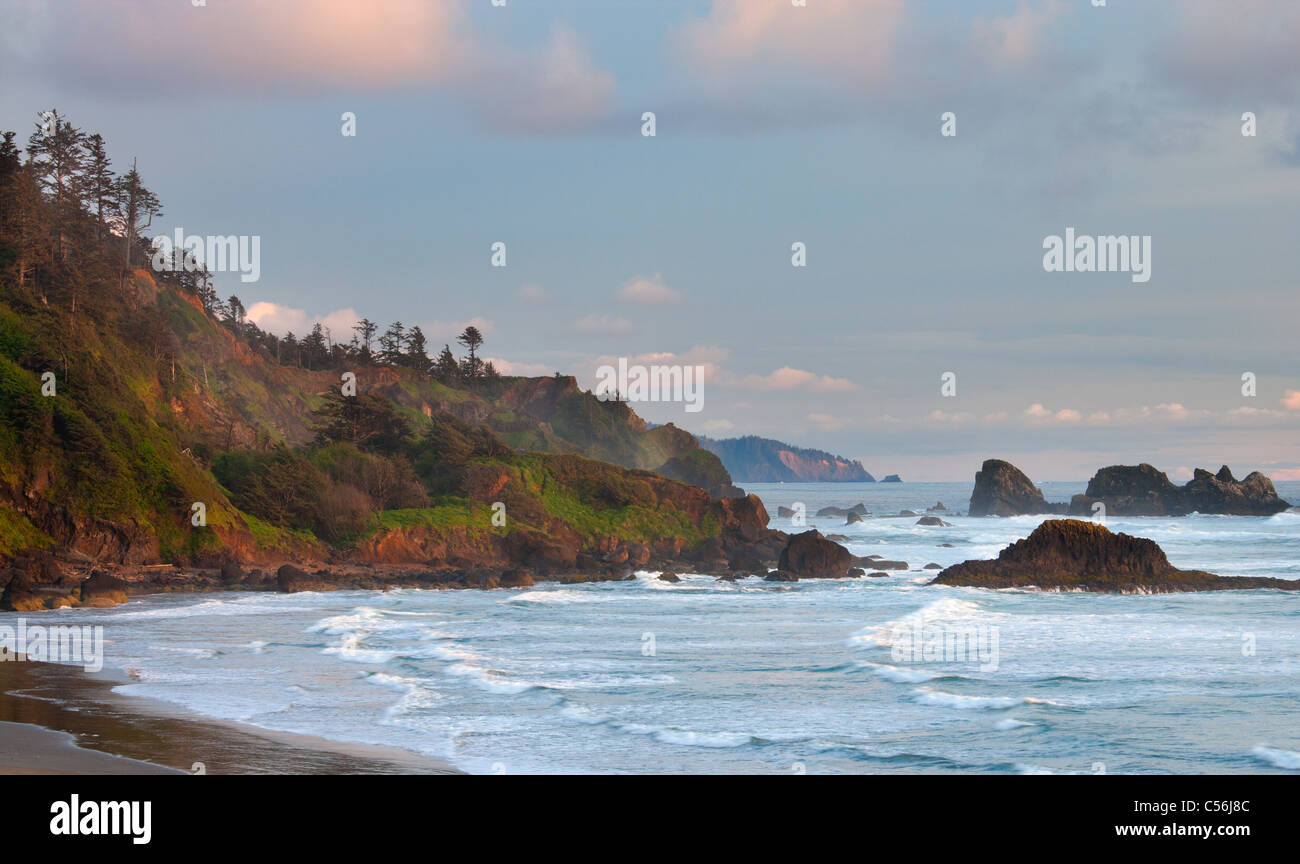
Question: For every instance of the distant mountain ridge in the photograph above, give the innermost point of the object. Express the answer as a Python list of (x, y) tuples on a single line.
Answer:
[(751, 459)]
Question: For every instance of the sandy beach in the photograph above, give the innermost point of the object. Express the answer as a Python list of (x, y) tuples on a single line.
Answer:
[(57, 719)]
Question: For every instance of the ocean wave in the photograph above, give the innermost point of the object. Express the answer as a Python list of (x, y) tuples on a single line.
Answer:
[(1009, 723), (940, 699), (352, 650), (1288, 760), (896, 674)]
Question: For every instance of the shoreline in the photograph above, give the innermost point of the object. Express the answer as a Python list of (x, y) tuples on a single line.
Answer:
[(58, 719)]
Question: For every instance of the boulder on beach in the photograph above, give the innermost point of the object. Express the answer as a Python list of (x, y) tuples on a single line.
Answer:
[(1073, 555)]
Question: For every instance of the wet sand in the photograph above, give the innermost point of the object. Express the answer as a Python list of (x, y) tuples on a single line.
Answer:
[(59, 719)]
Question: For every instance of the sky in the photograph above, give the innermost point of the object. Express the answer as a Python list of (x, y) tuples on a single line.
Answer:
[(775, 124)]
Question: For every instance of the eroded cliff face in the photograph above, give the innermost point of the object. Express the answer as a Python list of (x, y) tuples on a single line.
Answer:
[(1073, 555), (1142, 490)]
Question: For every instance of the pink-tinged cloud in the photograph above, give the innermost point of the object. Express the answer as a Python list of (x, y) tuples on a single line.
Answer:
[(853, 39), (247, 48), (1291, 401), (282, 320), (648, 292), (788, 378), (827, 422), (526, 370)]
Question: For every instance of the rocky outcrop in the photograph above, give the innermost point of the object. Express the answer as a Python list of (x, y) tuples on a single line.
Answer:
[(892, 478), (1002, 489), (1142, 490), (933, 521), (1073, 555), (811, 556), (103, 589)]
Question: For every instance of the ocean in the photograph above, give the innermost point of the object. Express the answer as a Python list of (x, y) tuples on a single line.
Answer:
[(708, 676)]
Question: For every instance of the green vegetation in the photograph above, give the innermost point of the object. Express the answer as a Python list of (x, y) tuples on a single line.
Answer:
[(128, 395)]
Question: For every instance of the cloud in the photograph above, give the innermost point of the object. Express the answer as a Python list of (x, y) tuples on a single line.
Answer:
[(526, 370), (606, 324), (252, 46), (530, 292), (281, 320), (554, 90), (1291, 401), (1235, 53), (828, 423), (717, 427), (788, 378), (1016, 38), (648, 292), (1038, 414), (738, 39), (247, 48)]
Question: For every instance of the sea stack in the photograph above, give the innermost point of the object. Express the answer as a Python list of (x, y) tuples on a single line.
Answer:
[(1073, 555)]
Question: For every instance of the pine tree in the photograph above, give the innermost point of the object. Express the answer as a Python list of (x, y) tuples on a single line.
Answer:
[(416, 358), (137, 206), (365, 329), (445, 368), (391, 344), (472, 339), (98, 183), (56, 152)]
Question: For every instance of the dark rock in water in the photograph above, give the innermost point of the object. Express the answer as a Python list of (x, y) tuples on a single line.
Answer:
[(933, 520), (811, 556), (669, 577), (102, 589), (877, 575), (746, 561), (780, 576), (908, 513), (784, 512), (517, 577), (1073, 555), (892, 478), (932, 566), (1002, 489), (860, 509), (1142, 490), (882, 564), (289, 579), (839, 538), (852, 518), (19, 593), (937, 508), (946, 545)]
